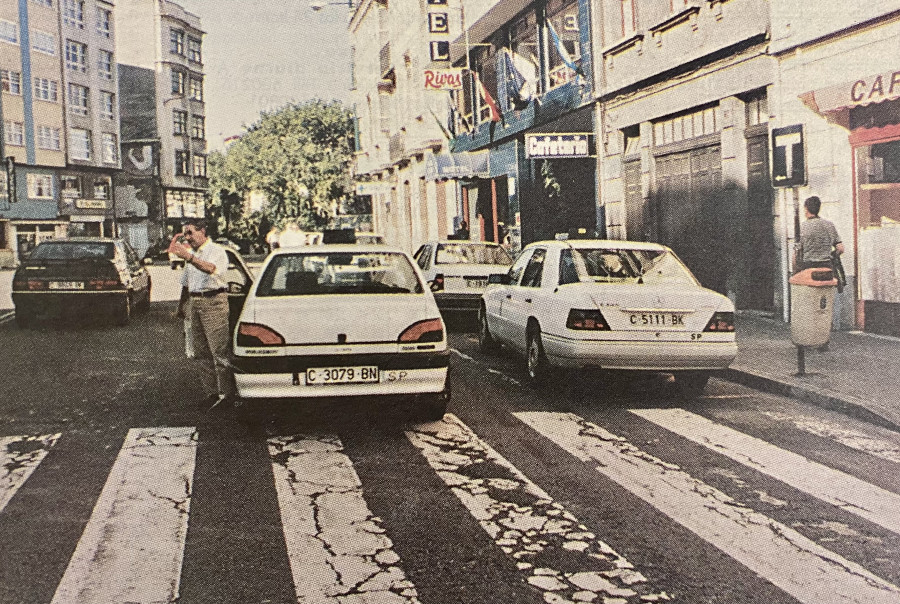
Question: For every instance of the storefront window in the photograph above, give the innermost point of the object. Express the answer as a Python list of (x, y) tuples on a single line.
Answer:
[(878, 176), (562, 17), (71, 187)]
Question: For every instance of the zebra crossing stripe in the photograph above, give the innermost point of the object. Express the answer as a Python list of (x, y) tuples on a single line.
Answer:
[(19, 456), (338, 550), (778, 553), (832, 486), (536, 532), (132, 547)]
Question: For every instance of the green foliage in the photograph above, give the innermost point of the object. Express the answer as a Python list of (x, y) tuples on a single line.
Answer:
[(297, 156), (551, 185)]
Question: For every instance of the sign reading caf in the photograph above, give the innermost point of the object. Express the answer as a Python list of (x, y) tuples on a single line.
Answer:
[(548, 146)]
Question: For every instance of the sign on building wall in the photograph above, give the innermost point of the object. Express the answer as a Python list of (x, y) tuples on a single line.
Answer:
[(139, 159), (185, 204), (438, 30), (788, 157), (443, 79), (549, 146)]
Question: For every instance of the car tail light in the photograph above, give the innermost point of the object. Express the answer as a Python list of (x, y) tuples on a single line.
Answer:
[(721, 321), (20, 284), (99, 284), (430, 330), (29, 284), (254, 334), (587, 319), (438, 283)]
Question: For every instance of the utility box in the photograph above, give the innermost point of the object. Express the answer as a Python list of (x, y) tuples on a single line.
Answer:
[(812, 306)]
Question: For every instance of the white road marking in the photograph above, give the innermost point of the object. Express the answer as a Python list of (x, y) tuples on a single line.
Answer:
[(832, 486), (886, 447), (133, 545), (19, 456), (536, 532), (338, 550), (776, 552)]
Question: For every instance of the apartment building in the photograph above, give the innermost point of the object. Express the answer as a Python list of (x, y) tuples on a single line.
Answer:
[(163, 113), (60, 121)]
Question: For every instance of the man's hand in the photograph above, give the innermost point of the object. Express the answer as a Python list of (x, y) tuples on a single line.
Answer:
[(179, 248)]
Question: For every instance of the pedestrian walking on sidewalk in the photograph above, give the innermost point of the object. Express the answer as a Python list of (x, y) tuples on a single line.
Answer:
[(818, 237), (203, 285)]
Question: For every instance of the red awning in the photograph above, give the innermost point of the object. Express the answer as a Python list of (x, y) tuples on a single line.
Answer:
[(864, 91)]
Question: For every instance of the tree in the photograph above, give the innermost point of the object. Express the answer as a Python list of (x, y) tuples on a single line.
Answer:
[(297, 156)]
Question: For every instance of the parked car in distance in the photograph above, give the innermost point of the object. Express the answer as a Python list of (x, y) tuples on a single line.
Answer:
[(618, 305), (342, 320), (81, 277), (369, 239), (457, 271)]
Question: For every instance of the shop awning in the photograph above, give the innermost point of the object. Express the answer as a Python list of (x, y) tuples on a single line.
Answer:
[(857, 93), (458, 165)]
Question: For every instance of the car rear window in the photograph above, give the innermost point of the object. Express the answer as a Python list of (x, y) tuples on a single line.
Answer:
[(73, 250), (623, 265), (467, 253), (338, 273)]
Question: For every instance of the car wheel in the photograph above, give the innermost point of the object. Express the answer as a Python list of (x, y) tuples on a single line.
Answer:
[(535, 359), (486, 341), (692, 383), (431, 408), (123, 314), (145, 303)]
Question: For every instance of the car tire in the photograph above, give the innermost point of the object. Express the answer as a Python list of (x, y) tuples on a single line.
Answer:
[(692, 383), (536, 364), (432, 408), (123, 313), (145, 303), (486, 342)]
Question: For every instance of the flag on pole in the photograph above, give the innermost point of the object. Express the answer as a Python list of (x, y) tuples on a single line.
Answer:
[(521, 79), (563, 53), (444, 130), (487, 98)]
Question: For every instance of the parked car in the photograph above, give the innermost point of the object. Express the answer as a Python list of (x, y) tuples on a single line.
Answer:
[(81, 277), (342, 320), (457, 271), (610, 304), (369, 239)]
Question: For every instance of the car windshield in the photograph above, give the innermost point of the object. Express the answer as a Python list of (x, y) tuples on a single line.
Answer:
[(623, 265), (73, 250), (469, 253), (338, 273)]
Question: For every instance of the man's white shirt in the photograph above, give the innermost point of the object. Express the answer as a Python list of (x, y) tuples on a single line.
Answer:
[(195, 279)]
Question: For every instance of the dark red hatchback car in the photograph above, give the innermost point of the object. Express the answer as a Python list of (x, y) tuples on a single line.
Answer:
[(81, 277)]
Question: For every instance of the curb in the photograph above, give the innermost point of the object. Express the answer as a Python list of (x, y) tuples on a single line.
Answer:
[(845, 404), (6, 315)]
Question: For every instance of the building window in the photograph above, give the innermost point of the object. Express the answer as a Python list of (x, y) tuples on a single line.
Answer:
[(181, 163), (70, 186), (9, 31), (47, 3), (176, 42), (562, 15), (104, 22), (46, 90), (14, 133), (110, 149), (200, 165), (80, 144), (40, 186), (694, 124), (177, 82), (757, 110), (76, 55), (198, 127), (196, 89), (48, 138), (78, 99), (11, 81), (107, 105), (105, 64), (73, 13), (629, 18), (194, 53), (102, 187), (43, 42), (179, 121)]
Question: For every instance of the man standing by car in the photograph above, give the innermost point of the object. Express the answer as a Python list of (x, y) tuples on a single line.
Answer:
[(817, 238), (202, 283)]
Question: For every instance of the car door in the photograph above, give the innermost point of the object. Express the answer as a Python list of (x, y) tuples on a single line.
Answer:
[(238, 279), (519, 305), (504, 298), (140, 277)]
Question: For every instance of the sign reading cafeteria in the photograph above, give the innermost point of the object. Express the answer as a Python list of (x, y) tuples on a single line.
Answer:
[(443, 79), (539, 146)]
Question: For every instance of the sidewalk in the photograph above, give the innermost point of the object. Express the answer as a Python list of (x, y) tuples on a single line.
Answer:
[(859, 375)]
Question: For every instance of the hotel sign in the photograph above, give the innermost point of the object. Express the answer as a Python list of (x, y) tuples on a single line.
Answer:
[(550, 146), (438, 26), (90, 204), (443, 79)]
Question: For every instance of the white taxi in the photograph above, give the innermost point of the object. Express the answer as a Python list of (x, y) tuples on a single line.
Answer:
[(342, 320), (457, 271), (610, 304)]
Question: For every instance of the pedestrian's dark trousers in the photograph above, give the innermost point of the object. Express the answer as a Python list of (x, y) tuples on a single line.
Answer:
[(212, 343)]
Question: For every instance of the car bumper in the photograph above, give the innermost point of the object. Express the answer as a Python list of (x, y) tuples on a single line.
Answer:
[(640, 355), (457, 301), (74, 302), (285, 377)]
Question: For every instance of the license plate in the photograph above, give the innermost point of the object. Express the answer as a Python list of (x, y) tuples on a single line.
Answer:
[(659, 319), (479, 283), (66, 285), (323, 376)]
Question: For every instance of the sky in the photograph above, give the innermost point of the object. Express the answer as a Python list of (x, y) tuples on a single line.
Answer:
[(261, 55)]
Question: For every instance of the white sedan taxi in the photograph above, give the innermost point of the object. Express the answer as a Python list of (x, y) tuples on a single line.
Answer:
[(619, 305), (457, 271), (342, 320)]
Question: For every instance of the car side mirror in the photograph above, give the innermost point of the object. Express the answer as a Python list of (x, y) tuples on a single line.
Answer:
[(498, 279)]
